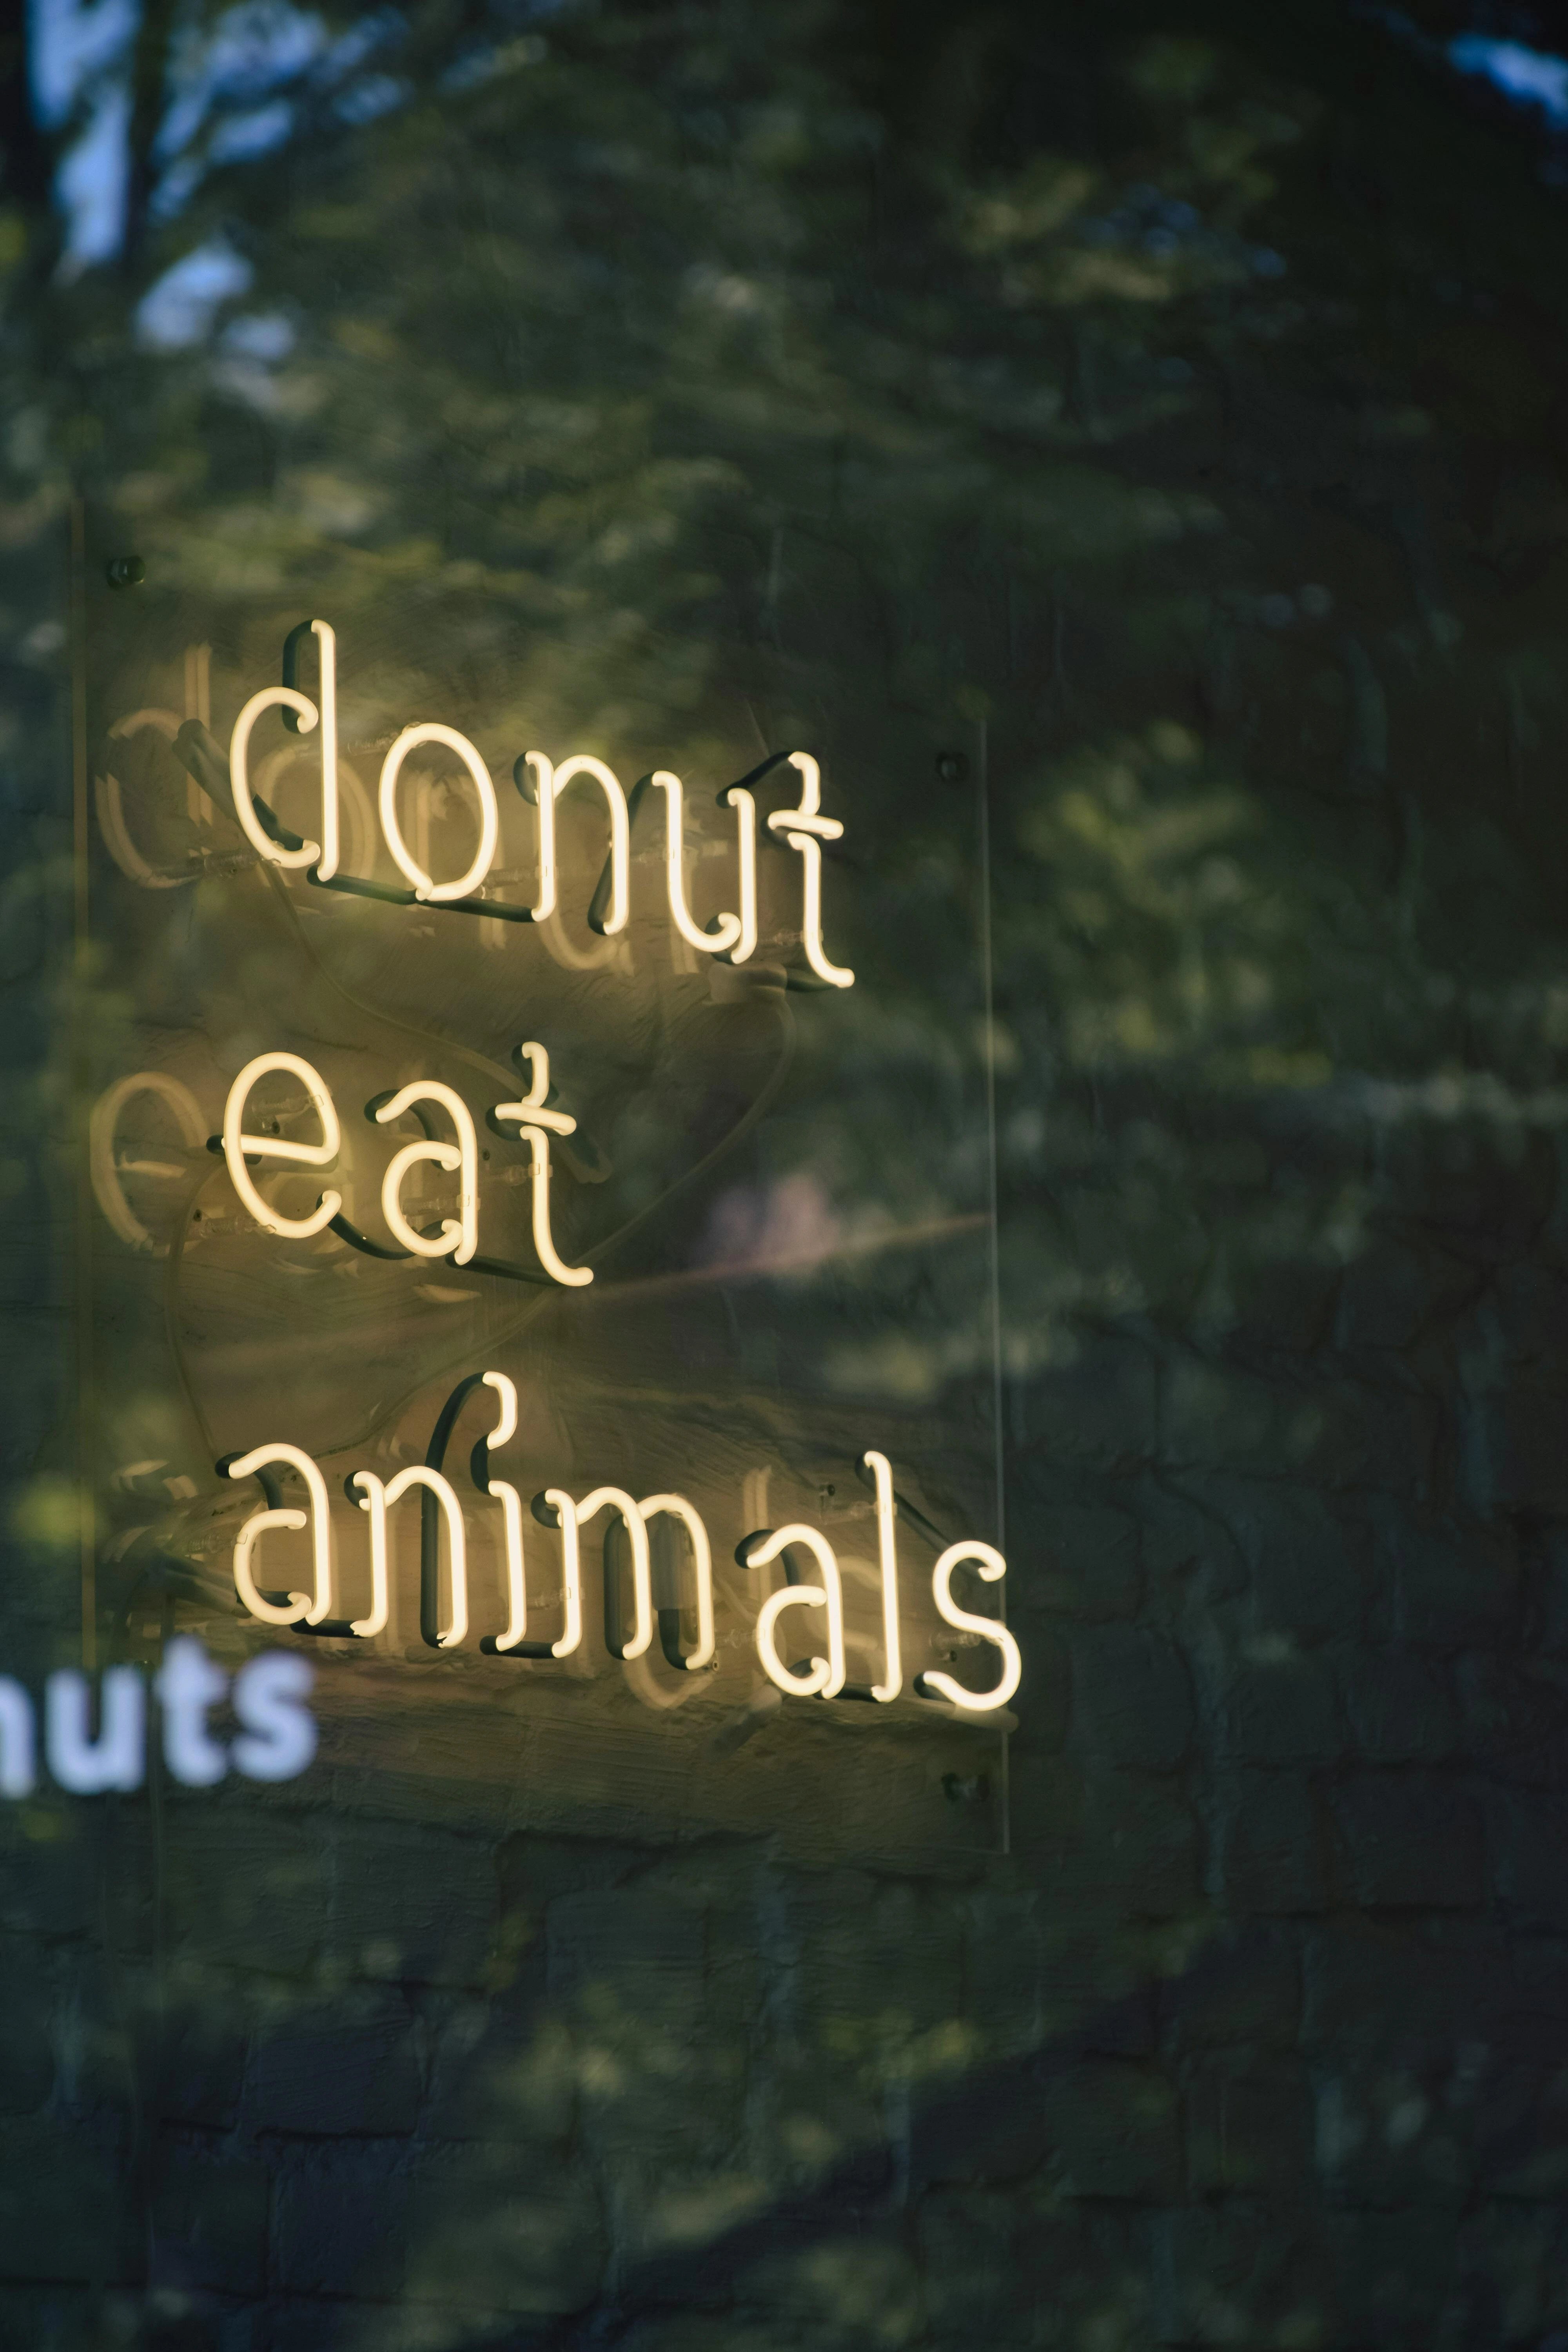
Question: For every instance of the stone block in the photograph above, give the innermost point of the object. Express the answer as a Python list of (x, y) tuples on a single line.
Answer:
[(1394, 1293), (1409, 1840), (202, 2058), (1455, 1585), (1514, 2257), (1270, 1843), (1515, 1720), (1380, 1990), (209, 2223), (1112, 2130), (1099, 1410), (1096, 1994), (1483, 1191), (1400, 1708), (67, 2211), (1189, 1546), (350, 2069), (1249, 2127), (1138, 1858), (1243, 1988), (1080, 1559), (341, 2229), (246, 1886), (1131, 1699), (27, 2046), (500, 2073), (411, 1907), (968, 2245), (1528, 1830), (1383, 2139), (1282, 1711), (1395, 2274), (1226, 2281), (1220, 1415), (1304, 1559), (1530, 1303), (503, 2231), (1519, 1437)]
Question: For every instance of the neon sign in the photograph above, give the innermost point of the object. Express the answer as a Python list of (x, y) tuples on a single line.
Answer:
[(510, 1580)]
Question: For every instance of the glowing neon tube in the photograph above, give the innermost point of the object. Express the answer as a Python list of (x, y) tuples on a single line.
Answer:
[(825, 1679), (805, 828), (424, 887), (460, 1240), (107, 1188), (719, 941), (510, 1502), (556, 1500), (237, 1146), (892, 1683), (676, 1506), (613, 1498), (372, 1500), (745, 807), (537, 1123), (301, 1606), (988, 1563), (322, 854)]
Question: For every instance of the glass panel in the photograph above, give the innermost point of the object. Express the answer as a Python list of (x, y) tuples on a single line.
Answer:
[(674, 1147)]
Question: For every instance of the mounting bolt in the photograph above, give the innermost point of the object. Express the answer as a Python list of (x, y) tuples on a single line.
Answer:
[(126, 572), (952, 767)]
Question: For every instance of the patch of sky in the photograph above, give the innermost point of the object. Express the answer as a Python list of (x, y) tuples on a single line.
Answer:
[(232, 86), (69, 45), (1530, 77), (256, 134), (362, 101), (246, 55), (90, 185), (179, 307), (266, 336)]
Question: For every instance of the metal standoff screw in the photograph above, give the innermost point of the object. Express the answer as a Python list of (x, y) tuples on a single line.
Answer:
[(952, 767), (126, 572)]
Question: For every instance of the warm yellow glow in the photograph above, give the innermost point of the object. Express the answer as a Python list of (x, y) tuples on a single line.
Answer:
[(112, 805), (419, 1475), (299, 1606), (510, 1502), (745, 807), (825, 1679), (677, 1507), (105, 1185), (373, 1502), (423, 885), (537, 1124), (582, 764), (237, 1146), (539, 788), (806, 829), (506, 1391), (327, 645), (457, 1240), (892, 1681), (988, 1563), (565, 1510), (613, 1498), (323, 855), (719, 941)]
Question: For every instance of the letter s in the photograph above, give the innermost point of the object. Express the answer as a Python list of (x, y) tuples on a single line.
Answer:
[(279, 1736), (989, 1564)]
